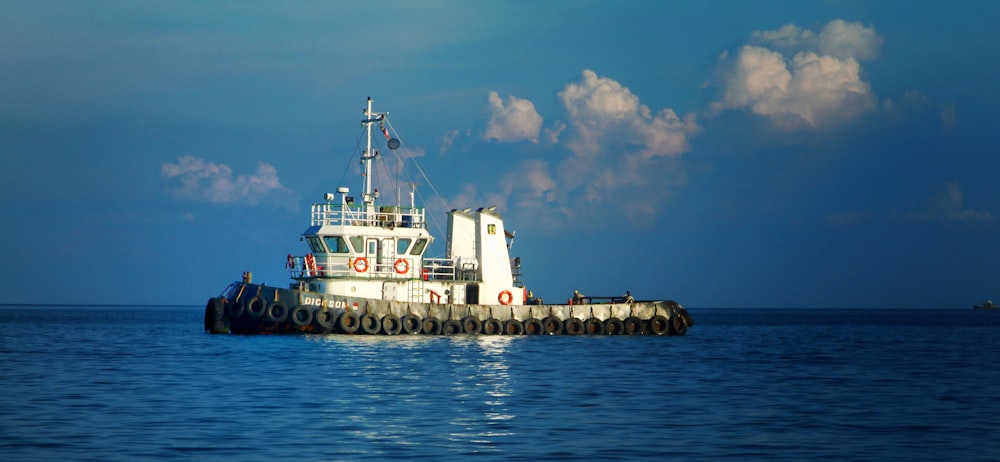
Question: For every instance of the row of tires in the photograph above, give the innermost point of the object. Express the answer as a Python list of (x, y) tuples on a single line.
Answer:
[(305, 318)]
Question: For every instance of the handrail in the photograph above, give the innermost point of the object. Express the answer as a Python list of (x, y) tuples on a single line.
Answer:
[(439, 268), (385, 216), (602, 299), (344, 266)]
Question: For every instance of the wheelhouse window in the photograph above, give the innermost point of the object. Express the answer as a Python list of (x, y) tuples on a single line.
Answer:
[(401, 246), (358, 243), (336, 244), (418, 247), (315, 244)]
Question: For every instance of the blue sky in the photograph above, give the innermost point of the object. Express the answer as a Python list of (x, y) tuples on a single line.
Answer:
[(723, 154)]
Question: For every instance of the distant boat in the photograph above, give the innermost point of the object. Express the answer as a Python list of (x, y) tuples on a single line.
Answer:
[(987, 305)]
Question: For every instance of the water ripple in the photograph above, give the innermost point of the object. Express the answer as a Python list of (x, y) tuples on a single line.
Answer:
[(103, 384)]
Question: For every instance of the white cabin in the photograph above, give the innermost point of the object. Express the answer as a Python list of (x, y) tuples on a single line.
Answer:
[(369, 251)]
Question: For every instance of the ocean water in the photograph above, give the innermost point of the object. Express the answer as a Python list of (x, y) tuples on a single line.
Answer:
[(144, 383)]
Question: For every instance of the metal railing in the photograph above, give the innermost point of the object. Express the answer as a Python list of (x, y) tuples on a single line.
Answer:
[(343, 266), (439, 269), (385, 216)]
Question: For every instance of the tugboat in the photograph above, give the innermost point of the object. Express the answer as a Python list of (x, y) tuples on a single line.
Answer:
[(366, 273)]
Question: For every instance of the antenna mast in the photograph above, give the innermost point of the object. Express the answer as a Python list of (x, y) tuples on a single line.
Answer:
[(367, 157)]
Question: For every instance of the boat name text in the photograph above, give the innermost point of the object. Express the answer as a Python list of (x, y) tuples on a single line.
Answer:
[(316, 301)]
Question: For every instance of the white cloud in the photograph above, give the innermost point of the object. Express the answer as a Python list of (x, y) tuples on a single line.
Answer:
[(603, 113), (839, 38), (619, 149), (515, 121), (207, 181), (947, 205), (787, 39), (534, 193), (820, 84), (844, 39), (448, 140), (552, 134)]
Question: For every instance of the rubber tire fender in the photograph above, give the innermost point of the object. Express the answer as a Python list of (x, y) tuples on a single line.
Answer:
[(678, 326), (391, 324), (411, 324), (513, 327), (658, 325), (370, 324), (472, 325), (451, 327), (573, 326), (234, 310), (533, 326), (633, 326), (276, 312), (256, 307), (348, 322), (593, 326), (687, 317), (216, 321), (300, 316), (325, 320), (431, 326), (614, 326), (552, 325), (492, 326)]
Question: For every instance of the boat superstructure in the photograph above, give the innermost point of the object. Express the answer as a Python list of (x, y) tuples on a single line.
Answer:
[(366, 270), (987, 305)]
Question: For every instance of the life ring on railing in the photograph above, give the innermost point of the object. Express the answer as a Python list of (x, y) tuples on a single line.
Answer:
[(505, 297), (310, 264), (290, 263), (401, 266), (360, 264)]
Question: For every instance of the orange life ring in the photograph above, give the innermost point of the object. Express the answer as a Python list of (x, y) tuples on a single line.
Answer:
[(360, 264), (505, 297), (401, 266), (290, 263)]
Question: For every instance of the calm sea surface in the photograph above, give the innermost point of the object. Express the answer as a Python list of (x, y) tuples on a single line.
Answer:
[(142, 383)]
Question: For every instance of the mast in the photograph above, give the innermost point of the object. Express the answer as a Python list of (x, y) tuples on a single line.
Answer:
[(367, 157)]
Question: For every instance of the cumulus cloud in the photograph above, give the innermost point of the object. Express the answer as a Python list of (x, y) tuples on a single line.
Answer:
[(604, 113), (844, 39), (788, 39), (534, 192), (552, 133), (839, 38), (947, 205), (797, 77), (207, 181), (447, 140), (619, 149), (515, 121)]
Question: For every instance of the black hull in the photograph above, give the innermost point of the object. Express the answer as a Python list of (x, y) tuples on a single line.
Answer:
[(257, 309)]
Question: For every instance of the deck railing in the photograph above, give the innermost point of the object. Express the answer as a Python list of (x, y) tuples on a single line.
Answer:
[(384, 216), (342, 266)]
